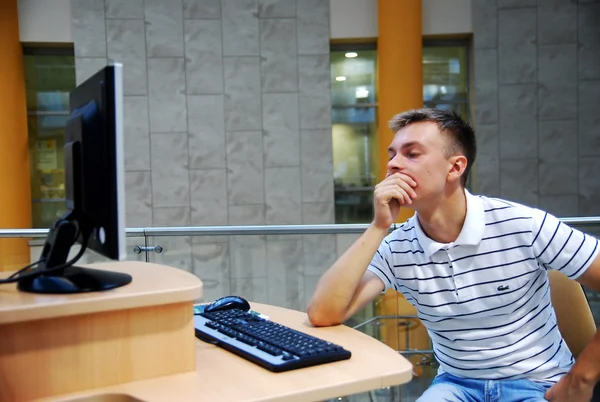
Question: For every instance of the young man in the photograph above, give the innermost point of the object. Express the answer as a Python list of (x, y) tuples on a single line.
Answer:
[(474, 267)]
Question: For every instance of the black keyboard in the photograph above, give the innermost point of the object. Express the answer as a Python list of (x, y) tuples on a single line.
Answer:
[(266, 343)]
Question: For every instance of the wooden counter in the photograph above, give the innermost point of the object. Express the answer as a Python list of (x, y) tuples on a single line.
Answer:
[(54, 344)]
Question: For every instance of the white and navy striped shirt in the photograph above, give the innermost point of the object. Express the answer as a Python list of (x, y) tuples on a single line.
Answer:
[(485, 298)]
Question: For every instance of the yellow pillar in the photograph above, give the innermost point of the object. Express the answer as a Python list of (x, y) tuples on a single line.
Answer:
[(400, 88), (15, 199), (400, 69)]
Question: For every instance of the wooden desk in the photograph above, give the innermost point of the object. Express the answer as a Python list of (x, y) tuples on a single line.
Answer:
[(136, 343), (221, 376)]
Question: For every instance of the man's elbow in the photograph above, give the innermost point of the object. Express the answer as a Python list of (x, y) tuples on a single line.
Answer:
[(322, 318)]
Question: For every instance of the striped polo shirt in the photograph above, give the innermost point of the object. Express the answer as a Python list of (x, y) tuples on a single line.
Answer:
[(485, 298)]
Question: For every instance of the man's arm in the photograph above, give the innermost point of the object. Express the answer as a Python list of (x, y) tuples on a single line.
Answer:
[(347, 286), (578, 384)]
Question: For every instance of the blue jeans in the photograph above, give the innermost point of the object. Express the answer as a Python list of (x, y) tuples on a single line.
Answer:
[(449, 388)]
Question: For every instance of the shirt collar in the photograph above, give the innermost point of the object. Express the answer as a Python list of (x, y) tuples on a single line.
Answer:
[(470, 234)]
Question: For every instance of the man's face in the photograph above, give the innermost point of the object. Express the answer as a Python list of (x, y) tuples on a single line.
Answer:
[(419, 151)]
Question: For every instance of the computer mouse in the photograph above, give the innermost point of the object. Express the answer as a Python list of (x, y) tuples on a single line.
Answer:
[(228, 303)]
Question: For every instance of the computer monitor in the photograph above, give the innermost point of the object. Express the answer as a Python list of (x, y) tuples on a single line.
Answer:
[(95, 192)]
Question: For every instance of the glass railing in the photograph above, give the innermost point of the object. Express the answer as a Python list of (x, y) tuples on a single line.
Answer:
[(280, 265)]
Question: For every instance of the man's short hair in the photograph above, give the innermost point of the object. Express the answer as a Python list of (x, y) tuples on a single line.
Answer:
[(461, 136)]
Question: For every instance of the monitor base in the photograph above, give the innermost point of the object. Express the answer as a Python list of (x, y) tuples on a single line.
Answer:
[(74, 280)]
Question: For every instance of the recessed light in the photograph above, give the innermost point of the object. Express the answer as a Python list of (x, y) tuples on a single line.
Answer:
[(351, 54), (340, 78)]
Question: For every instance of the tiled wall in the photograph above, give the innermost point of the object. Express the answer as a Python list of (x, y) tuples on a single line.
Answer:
[(537, 91), (227, 122)]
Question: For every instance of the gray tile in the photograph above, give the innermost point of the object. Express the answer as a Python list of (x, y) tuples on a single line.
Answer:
[(281, 134), (206, 122), (166, 87), (208, 197), (213, 289), (136, 132), (485, 106), (248, 256), (557, 63), (252, 289), (242, 93), (561, 206), (315, 91), (286, 291), (164, 28), (202, 9), (211, 264), (124, 8), (589, 186), (313, 27), (557, 22), (138, 199), (519, 180), (88, 27), (517, 49), (310, 283), (278, 62), (277, 8), (85, 67), (172, 216), (240, 27), (245, 183), (204, 57), (170, 176), (486, 175), (589, 42), (558, 139), (487, 141), (485, 23), (317, 165), (284, 270), (125, 42), (518, 122), (558, 178), (318, 213), (241, 215), (557, 74), (516, 3), (176, 252), (319, 253), (282, 196), (589, 118), (343, 242)]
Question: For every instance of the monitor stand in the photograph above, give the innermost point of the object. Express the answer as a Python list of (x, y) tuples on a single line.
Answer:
[(54, 276)]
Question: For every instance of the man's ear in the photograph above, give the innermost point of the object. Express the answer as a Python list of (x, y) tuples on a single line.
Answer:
[(457, 167)]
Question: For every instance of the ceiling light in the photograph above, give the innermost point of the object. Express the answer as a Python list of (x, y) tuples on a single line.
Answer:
[(351, 54), (340, 78), (362, 92)]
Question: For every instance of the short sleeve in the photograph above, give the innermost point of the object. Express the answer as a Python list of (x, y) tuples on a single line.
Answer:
[(380, 265), (560, 247)]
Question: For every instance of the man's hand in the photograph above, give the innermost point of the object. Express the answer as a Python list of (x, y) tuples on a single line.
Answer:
[(570, 390), (395, 190)]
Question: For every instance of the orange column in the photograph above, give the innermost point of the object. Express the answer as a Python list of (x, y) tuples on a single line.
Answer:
[(15, 199), (400, 88), (400, 69)]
